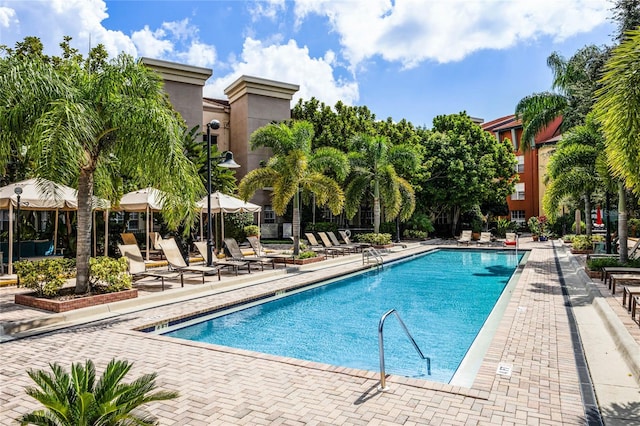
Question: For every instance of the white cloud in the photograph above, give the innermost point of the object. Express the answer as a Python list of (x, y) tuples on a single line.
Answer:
[(413, 31), (266, 9), (150, 43), (7, 15), (291, 64), (199, 55), (52, 20)]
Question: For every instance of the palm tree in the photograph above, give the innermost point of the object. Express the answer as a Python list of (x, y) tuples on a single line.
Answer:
[(77, 399), (373, 175), (573, 170), (89, 123), (293, 168), (574, 81), (617, 109)]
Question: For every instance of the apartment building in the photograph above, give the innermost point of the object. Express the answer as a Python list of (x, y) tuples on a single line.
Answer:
[(533, 157)]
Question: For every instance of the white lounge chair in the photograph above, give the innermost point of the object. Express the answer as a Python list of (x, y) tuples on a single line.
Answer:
[(465, 237)]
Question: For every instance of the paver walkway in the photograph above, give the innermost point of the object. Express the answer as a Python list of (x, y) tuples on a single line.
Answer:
[(539, 381)]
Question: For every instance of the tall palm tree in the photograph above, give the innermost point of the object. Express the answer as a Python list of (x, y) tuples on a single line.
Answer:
[(77, 399), (373, 175), (573, 171), (574, 83), (293, 168), (88, 123), (617, 109)]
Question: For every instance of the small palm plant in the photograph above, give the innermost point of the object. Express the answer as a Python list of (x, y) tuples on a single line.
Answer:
[(77, 399)]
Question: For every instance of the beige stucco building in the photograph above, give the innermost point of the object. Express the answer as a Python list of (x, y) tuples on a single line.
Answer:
[(251, 103)]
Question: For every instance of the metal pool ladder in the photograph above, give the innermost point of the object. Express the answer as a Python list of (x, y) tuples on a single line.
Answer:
[(382, 386), (369, 253)]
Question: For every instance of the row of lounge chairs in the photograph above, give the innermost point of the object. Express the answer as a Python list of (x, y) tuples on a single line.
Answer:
[(466, 238), (330, 244), (627, 278), (178, 267), (236, 260)]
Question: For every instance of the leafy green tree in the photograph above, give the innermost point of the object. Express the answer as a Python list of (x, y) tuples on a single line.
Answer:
[(373, 175), (573, 171), (77, 399), (295, 167), (222, 179), (575, 81), (467, 167), (334, 127), (617, 110), (626, 14), (86, 123)]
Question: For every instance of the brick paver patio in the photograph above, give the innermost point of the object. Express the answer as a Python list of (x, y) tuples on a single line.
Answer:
[(219, 385)]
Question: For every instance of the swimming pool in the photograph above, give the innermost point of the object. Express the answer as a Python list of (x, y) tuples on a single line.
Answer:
[(444, 297)]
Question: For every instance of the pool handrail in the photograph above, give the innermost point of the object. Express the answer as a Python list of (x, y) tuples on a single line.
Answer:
[(382, 386)]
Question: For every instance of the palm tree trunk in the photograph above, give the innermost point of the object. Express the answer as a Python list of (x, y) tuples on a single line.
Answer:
[(296, 223), (83, 250), (622, 223), (376, 208), (587, 214)]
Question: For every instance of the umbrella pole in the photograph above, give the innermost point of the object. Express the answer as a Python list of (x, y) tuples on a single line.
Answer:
[(10, 259), (55, 234), (95, 234), (146, 224), (221, 229), (106, 232)]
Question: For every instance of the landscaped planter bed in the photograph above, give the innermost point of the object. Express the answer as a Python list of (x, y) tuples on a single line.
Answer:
[(56, 305)]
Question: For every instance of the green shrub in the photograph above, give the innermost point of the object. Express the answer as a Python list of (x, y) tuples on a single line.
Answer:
[(503, 226), (633, 226), (388, 227), (252, 230), (373, 238), (599, 263), (582, 242), (321, 227), (108, 275), (568, 238), (235, 223), (46, 276), (420, 222), (307, 254), (414, 234), (582, 226)]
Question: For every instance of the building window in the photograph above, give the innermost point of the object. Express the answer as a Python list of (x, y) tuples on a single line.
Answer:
[(134, 222), (442, 219), (519, 194), (520, 165), (269, 215), (518, 216)]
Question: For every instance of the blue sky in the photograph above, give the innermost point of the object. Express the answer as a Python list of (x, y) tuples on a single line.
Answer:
[(411, 59)]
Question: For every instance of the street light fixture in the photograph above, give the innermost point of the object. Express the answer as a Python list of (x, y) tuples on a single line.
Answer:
[(226, 161), (18, 192)]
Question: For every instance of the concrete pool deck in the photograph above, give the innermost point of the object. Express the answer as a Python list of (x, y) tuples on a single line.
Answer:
[(531, 373)]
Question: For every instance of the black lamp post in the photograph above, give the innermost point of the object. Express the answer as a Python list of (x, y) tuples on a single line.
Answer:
[(227, 162), (18, 191)]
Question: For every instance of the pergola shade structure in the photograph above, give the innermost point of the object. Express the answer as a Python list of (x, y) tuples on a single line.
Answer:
[(147, 200), (224, 203), (42, 195)]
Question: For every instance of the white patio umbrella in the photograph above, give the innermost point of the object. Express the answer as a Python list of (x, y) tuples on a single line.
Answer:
[(41, 195), (146, 200), (223, 203)]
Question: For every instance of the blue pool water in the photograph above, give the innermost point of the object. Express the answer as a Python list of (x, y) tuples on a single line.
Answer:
[(443, 297)]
